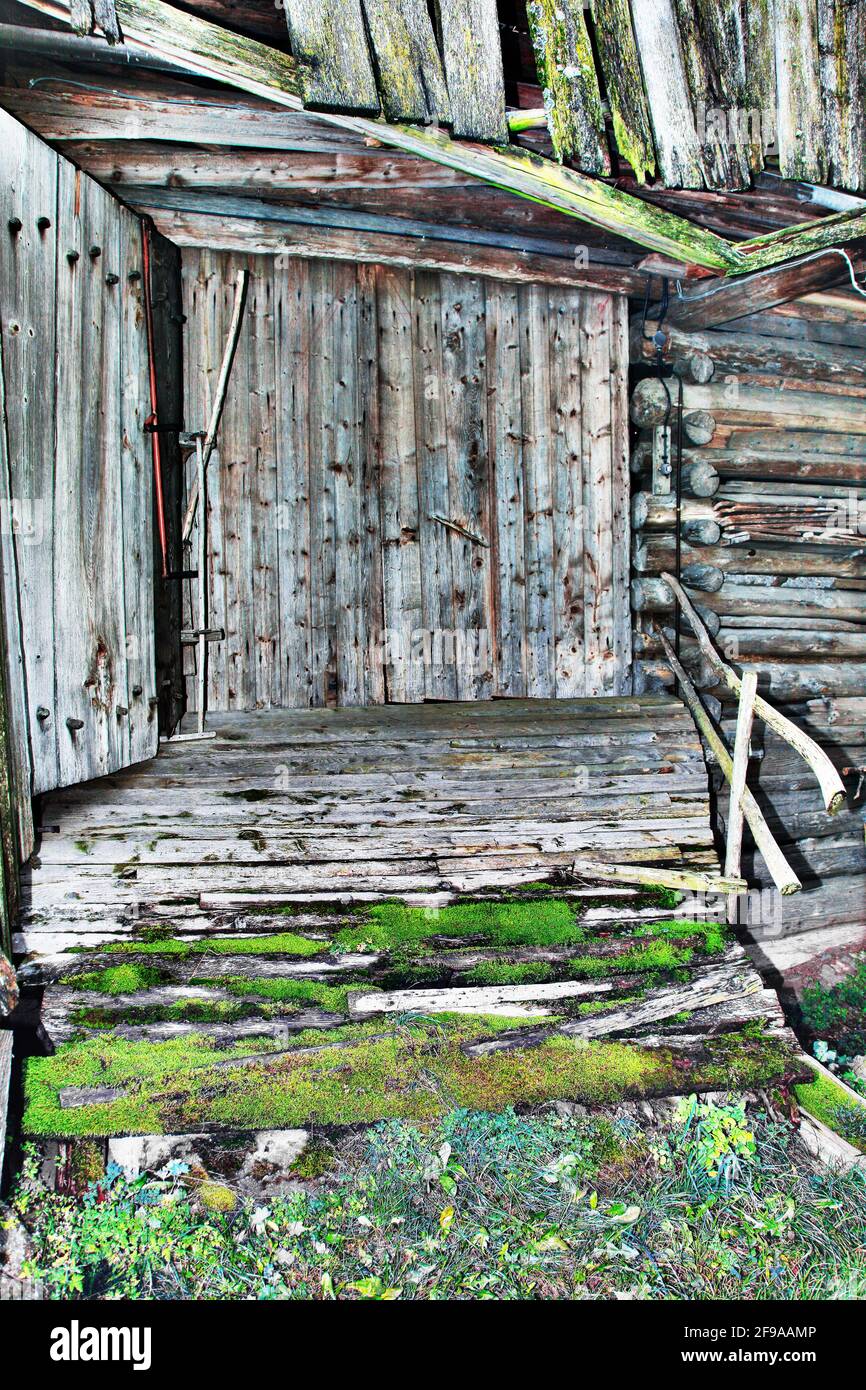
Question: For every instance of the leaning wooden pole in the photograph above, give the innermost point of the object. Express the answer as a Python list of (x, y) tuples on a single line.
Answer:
[(734, 844), (783, 875), (831, 784), (219, 399)]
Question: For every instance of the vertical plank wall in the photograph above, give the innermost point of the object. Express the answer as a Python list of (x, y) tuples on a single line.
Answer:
[(75, 480), (367, 407)]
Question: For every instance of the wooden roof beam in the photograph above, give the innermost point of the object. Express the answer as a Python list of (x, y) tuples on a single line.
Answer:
[(275, 236), (240, 62), (733, 297)]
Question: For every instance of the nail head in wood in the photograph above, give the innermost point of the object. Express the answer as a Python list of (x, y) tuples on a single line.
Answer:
[(74, 724)]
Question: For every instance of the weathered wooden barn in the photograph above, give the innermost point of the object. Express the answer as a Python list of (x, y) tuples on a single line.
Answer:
[(417, 422)]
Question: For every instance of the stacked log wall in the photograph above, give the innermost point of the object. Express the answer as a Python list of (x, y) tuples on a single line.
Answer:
[(772, 552)]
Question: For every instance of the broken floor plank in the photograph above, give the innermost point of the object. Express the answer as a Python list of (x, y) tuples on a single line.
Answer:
[(414, 1072)]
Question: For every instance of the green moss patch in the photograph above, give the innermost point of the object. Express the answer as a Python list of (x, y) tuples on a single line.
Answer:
[(117, 979), (495, 972), (332, 998), (180, 1011), (712, 938), (662, 957), (832, 1105), (276, 944), (392, 925), (416, 1070)]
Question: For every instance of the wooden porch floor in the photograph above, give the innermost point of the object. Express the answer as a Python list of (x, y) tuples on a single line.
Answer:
[(432, 798), (330, 917)]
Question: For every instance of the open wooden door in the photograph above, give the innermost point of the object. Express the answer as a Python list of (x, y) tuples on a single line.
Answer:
[(75, 475)]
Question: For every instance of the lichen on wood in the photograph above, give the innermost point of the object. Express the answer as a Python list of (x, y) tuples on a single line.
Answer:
[(566, 71), (620, 66), (842, 48), (472, 57), (802, 152), (411, 78), (330, 40), (712, 44), (759, 93)]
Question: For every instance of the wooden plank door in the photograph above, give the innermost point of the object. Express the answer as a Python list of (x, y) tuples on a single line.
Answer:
[(76, 484)]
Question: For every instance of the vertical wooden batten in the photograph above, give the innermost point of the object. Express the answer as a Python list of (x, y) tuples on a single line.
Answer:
[(566, 72), (472, 57), (411, 78), (330, 44)]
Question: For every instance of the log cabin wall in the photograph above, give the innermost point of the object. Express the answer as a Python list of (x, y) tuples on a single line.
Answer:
[(422, 485), (774, 530)]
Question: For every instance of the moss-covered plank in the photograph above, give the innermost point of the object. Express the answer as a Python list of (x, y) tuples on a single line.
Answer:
[(531, 176), (329, 40), (566, 72), (411, 78), (792, 243), (472, 56), (212, 50), (417, 1070), (620, 66)]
